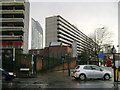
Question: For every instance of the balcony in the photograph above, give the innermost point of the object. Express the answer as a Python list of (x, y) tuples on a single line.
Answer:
[(11, 3), (12, 11), (11, 38), (11, 20), (11, 28)]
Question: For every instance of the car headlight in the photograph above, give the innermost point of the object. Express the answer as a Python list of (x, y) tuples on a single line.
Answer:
[(14, 75), (10, 73)]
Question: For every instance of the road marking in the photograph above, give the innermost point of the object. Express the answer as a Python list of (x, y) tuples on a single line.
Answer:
[(35, 84)]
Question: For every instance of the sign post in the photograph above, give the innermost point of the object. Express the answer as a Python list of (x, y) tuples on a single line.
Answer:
[(13, 54), (63, 58), (114, 67), (100, 56), (113, 51), (32, 62)]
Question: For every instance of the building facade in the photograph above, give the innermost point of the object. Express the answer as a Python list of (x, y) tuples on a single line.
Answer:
[(14, 25), (37, 35), (119, 27), (53, 51), (60, 30)]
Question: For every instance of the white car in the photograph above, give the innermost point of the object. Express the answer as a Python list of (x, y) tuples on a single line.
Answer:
[(90, 71)]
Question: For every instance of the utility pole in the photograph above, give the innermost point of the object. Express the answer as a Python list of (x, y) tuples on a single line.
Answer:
[(32, 62), (114, 67), (63, 58), (13, 59), (113, 52), (96, 47), (68, 61), (13, 54)]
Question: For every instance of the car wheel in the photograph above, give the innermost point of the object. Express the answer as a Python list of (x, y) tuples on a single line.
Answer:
[(106, 77), (82, 77)]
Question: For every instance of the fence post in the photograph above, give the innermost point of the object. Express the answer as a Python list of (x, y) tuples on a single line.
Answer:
[(114, 67), (42, 62)]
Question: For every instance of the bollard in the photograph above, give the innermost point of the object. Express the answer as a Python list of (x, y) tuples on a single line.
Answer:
[(117, 74)]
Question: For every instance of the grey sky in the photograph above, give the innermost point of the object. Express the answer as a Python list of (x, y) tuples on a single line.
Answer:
[(86, 16)]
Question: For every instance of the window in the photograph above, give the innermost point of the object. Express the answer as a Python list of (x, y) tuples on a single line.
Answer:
[(10, 24), (95, 68), (77, 67), (87, 67)]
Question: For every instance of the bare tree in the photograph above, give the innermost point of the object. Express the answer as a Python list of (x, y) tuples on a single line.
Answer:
[(102, 36)]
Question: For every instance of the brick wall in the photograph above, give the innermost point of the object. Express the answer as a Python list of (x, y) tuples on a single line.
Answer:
[(72, 64), (25, 61), (39, 63), (53, 50)]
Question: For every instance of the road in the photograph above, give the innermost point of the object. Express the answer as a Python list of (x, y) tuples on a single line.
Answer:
[(57, 79)]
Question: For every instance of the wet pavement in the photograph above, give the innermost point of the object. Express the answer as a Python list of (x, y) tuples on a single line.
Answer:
[(58, 79)]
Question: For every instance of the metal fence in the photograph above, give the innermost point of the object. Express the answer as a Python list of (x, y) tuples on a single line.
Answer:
[(50, 62)]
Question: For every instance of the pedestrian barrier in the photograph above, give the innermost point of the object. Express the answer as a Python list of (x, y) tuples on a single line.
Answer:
[(115, 61)]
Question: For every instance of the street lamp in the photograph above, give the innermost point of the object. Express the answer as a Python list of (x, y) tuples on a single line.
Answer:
[(68, 62), (96, 48), (32, 62), (118, 48)]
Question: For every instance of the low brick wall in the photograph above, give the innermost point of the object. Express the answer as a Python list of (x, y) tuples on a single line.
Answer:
[(25, 61), (39, 63)]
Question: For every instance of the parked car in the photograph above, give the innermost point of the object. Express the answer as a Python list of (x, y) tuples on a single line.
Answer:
[(7, 75), (83, 72)]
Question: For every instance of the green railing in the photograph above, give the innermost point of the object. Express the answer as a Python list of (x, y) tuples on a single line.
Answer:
[(12, 11), (11, 29), (11, 46), (11, 3), (11, 20)]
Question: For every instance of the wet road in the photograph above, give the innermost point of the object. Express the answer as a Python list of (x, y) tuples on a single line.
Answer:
[(57, 79)]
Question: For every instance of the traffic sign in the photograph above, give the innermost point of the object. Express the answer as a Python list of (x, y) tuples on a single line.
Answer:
[(63, 58), (100, 55)]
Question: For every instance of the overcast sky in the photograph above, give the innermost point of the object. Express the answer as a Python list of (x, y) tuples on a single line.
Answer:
[(86, 15)]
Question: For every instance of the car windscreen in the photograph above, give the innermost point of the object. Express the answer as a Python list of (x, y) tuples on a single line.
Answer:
[(77, 67)]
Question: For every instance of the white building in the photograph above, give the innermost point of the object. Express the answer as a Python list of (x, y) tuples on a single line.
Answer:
[(60, 30), (37, 35)]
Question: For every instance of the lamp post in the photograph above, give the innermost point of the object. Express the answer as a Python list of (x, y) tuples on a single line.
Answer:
[(68, 62), (118, 48), (32, 62), (113, 52), (96, 48)]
